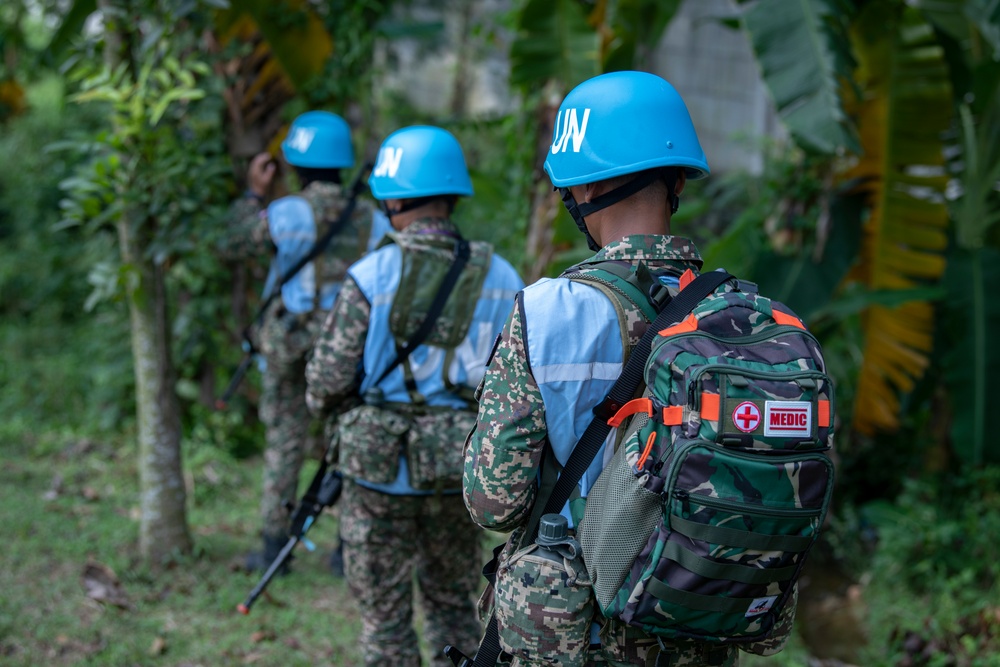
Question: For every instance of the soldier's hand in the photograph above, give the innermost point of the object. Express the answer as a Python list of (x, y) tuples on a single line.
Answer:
[(261, 173)]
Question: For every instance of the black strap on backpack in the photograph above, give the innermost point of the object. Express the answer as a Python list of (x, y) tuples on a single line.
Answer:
[(462, 253), (590, 442)]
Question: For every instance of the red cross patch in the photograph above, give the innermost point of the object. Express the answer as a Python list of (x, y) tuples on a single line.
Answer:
[(746, 416)]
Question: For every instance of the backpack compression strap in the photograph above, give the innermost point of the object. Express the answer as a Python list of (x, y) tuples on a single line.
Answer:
[(590, 443)]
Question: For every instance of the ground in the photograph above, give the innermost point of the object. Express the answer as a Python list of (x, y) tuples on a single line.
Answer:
[(75, 592)]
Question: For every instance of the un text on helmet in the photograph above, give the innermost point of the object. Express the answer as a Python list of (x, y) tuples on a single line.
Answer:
[(388, 162), (568, 128), (301, 139)]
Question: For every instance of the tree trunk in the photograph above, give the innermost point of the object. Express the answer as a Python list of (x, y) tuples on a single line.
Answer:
[(545, 201), (163, 526)]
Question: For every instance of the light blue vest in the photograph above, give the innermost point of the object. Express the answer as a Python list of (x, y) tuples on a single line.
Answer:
[(377, 276), (293, 230), (575, 351)]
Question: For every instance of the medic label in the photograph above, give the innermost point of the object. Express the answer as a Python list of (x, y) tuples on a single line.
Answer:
[(788, 419)]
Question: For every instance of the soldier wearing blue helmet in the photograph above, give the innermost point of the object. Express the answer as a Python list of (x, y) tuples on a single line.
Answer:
[(623, 148), (410, 334), (318, 146)]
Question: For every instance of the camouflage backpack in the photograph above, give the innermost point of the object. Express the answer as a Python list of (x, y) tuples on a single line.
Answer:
[(699, 525)]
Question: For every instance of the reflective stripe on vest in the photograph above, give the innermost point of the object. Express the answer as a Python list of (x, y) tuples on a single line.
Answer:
[(575, 351), (377, 276)]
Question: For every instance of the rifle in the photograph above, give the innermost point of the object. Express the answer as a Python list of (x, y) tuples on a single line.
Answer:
[(356, 187), (324, 491), (457, 658)]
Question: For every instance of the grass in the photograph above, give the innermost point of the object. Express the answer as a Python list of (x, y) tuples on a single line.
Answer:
[(66, 502)]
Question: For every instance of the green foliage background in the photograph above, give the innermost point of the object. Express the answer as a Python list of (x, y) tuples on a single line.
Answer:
[(917, 508)]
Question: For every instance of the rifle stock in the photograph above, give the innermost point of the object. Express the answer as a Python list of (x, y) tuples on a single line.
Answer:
[(324, 491)]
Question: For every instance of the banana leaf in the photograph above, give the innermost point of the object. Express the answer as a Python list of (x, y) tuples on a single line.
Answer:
[(553, 42), (904, 112), (972, 360), (804, 53)]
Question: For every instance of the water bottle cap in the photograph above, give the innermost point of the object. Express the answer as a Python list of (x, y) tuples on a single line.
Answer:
[(552, 529)]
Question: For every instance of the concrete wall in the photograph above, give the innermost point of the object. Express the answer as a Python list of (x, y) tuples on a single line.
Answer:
[(712, 66), (714, 70)]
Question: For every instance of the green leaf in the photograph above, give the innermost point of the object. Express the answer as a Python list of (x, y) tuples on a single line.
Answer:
[(553, 42), (71, 25), (972, 362), (986, 15), (637, 26), (805, 57)]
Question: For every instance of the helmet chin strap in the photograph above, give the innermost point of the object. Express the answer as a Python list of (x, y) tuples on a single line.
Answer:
[(416, 203), (580, 211)]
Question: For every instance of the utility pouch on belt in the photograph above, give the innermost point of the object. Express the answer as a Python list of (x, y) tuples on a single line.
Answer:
[(543, 601), (435, 449), (370, 440)]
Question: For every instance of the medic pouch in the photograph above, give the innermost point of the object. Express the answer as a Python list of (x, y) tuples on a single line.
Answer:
[(543, 601)]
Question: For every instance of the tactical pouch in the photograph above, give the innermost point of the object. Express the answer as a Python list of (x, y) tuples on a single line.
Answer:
[(435, 449), (544, 606), (371, 440), (425, 262)]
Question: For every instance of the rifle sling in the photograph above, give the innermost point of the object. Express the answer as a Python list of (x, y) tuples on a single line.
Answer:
[(321, 244)]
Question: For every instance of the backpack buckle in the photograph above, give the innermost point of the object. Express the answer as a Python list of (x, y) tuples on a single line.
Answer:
[(659, 296), (607, 409)]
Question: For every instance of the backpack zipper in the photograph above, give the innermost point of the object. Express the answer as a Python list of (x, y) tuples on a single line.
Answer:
[(734, 507)]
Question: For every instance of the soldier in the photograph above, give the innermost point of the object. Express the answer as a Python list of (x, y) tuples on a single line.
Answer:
[(623, 149), (318, 146), (402, 450)]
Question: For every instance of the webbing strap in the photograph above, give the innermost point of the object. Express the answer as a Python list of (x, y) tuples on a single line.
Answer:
[(448, 283), (662, 591), (747, 574), (739, 538)]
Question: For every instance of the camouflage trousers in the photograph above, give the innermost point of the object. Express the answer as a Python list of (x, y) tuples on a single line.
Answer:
[(392, 541), (284, 339)]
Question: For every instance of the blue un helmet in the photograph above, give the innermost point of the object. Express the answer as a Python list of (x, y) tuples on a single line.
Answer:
[(318, 140), (616, 124), (419, 161)]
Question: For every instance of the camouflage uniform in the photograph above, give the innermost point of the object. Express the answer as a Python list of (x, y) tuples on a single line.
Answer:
[(504, 455), (387, 538), (284, 339)]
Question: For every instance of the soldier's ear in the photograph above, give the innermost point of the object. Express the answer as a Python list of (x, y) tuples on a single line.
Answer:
[(681, 180)]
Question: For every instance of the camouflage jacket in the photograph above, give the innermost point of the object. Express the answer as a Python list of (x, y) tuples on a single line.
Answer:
[(505, 451)]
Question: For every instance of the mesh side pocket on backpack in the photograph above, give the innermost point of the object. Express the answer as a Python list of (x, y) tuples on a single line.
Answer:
[(621, 515)]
